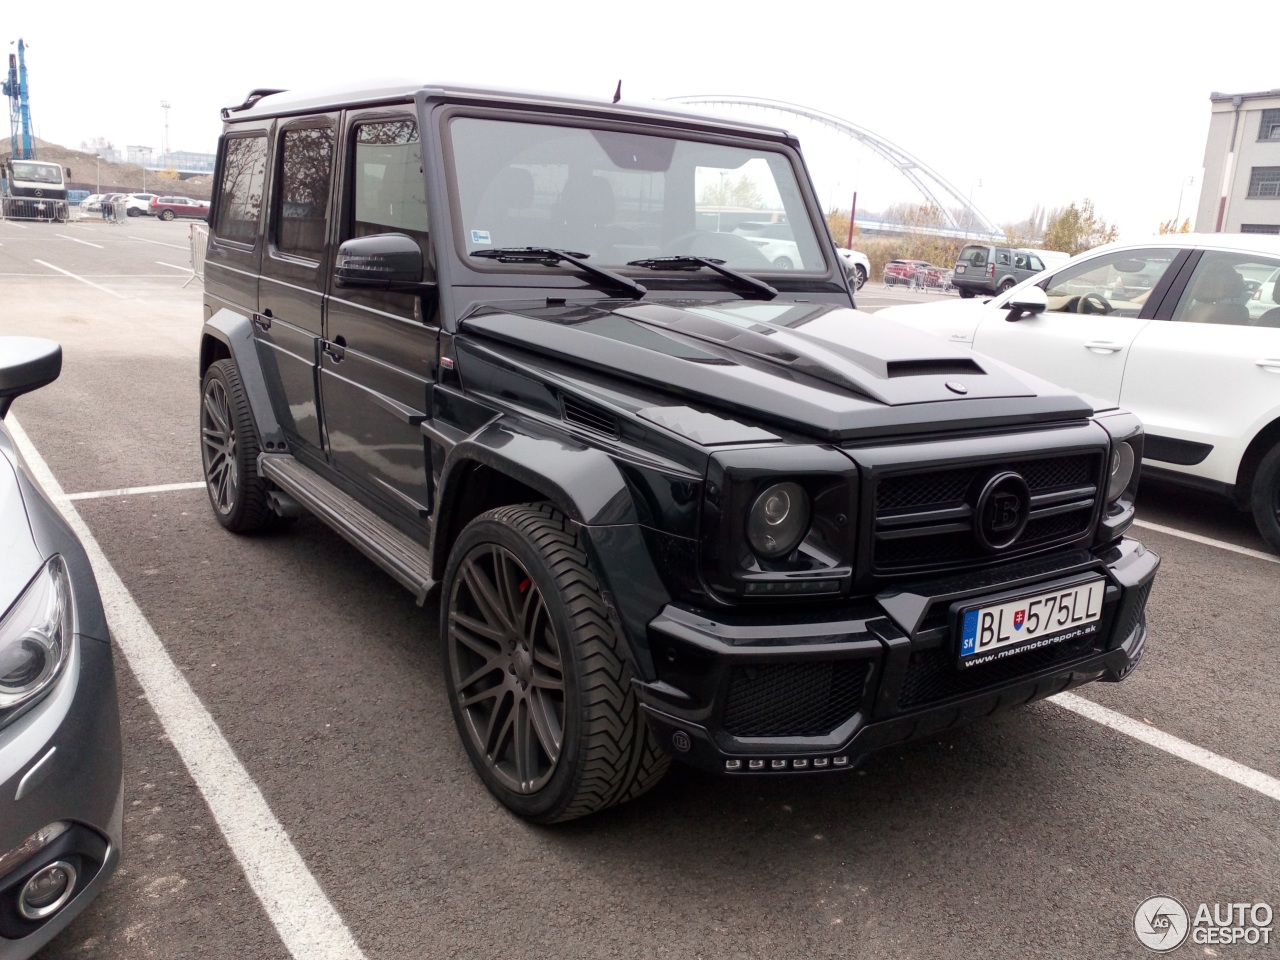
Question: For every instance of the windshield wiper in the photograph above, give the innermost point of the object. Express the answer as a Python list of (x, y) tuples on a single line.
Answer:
[(687, 262), (551, 256)]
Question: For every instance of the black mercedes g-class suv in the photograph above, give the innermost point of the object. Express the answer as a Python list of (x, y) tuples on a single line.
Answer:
[(680, 502)]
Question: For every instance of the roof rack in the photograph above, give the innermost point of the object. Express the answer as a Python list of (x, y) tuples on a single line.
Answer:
[(253, 97)]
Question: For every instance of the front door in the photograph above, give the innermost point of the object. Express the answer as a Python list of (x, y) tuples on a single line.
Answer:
[(380, 350)]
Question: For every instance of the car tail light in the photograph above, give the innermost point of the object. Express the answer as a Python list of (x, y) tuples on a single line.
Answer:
[(991, 270)]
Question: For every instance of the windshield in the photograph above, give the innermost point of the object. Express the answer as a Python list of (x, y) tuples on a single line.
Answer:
[(39, 172), (616, 197)]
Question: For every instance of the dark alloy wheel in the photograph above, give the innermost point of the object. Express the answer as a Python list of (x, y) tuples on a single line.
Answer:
[(536, 675), (229, 452), (1264, 498)]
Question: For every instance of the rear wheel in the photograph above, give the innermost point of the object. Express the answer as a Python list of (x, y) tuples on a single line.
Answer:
[(965, 294), (166, 214), (536, 676), (1007, 285), (1264, 498), (783, 263), (229, 452)]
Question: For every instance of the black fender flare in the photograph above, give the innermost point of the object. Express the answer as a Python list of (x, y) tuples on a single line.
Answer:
[(235, 332)]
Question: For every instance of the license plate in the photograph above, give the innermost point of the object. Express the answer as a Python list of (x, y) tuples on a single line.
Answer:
[(993, 632), (960, 268)]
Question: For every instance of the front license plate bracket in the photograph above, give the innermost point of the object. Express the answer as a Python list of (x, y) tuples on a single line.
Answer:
[(993, 628)]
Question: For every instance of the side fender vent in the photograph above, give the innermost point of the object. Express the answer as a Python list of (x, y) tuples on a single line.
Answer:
[(579, 413)]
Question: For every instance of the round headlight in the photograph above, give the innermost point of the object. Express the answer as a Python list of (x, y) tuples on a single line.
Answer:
[(1122, 464), (778, 520)]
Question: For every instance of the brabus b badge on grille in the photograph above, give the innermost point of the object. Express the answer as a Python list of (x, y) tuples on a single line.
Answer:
[(1002, 510)]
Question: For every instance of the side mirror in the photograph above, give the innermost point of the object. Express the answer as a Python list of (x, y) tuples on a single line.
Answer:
[(1026, 303), (26, 364), (68, 173), (384, 261)]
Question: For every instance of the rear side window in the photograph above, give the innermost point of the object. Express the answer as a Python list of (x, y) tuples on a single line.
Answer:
[(977, 256), (306, 166), (244, 175)]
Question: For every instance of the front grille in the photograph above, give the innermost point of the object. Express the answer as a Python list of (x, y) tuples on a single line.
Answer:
[(932, 675), (924, 521), (794, 699)]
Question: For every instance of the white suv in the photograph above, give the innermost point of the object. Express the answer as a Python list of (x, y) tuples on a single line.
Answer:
[(138, 204), (1183, 330)]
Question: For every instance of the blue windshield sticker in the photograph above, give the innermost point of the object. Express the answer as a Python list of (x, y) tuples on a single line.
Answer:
[(480, 236)]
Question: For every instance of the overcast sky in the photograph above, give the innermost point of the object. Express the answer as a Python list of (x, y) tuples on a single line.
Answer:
[(1102, 100)]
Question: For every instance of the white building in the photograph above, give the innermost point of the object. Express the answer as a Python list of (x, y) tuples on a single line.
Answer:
[(1241, 165)]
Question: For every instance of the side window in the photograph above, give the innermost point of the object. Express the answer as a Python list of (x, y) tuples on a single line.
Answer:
[(1020, 261), (1116, 283), (244, 173), (388, 186), (1231, 288), (302, 199), (1002, 258), (1035, 263)]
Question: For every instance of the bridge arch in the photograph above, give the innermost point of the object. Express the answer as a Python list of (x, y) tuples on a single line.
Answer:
[(931, 184)]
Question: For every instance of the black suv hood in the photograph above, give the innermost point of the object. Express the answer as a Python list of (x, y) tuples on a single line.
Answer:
[(819, 369)]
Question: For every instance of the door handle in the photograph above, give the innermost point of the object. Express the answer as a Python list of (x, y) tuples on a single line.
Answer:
[(1269, 365), (1103, 346), (262, 321), (334, 351)]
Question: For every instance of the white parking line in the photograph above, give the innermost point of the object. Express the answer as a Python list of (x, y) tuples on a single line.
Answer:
[(179, 246), (1208, 760), (78, 240), (68, 273), (134, 491), (174, 266), (1196, 538), (301, 912)]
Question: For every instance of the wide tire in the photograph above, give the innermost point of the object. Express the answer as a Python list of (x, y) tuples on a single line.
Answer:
[(535, 670), (1264, 498), (229, 452)]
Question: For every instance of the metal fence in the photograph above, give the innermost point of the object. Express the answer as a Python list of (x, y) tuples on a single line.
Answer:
[(199, 239), (25, 208)]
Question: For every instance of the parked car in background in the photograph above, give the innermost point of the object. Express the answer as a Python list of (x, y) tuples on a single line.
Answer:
[(92, 203), (982, 268), (166, 208), (775, 240), (856, 265), (139, 204), (1183, 330), (60, 760), (901, 272)]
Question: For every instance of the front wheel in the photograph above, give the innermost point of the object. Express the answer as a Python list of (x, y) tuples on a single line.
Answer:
[(535, 670), (860, 275), (1264, 498)]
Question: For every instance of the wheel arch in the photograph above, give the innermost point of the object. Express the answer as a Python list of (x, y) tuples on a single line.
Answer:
[(1266, 438), (502, 465), (228, 335)]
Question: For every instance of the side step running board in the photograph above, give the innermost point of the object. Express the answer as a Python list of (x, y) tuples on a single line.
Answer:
[(401, 556)]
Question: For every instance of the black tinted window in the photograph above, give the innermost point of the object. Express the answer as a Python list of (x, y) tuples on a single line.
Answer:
[(389, 187), (244, 170), (305, 168)]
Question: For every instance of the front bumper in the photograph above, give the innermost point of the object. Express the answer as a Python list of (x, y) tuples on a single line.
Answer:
[(61, 762), (819, 692)]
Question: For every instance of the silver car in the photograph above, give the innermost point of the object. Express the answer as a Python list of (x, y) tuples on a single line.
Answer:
[(61, 796)]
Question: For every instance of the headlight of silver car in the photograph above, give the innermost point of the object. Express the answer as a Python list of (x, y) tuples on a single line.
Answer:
[(35, 637)]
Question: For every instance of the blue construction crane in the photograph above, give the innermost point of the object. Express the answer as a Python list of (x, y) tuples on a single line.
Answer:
[(15, 88)]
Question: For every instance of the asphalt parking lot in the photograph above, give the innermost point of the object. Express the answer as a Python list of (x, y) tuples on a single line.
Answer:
[(295, 786)]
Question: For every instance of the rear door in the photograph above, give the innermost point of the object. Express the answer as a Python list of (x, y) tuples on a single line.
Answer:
[(1205, 381), (290, 318), (235, 240), (380, 348)]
